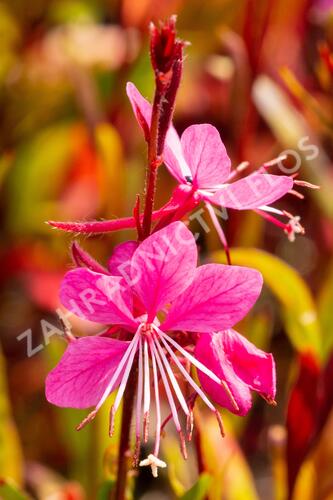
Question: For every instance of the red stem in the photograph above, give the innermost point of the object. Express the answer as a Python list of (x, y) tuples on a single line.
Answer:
[(166, 58), (153, 163), (128, 405), (124, 444)]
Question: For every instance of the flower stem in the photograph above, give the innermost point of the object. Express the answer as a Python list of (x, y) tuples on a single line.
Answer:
[(166, 58), (166, 53), (153, 164), (124, 443)]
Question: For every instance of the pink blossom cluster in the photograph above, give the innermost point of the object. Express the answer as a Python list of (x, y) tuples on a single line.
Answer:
[(167, 320)]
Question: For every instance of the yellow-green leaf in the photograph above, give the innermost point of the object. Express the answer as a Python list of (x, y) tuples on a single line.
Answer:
[(10, 491), (298, 307), (199, 489), (11, 464), (224, 461)]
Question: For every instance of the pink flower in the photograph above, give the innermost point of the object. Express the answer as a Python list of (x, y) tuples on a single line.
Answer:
[(199, 162), (161, 304)]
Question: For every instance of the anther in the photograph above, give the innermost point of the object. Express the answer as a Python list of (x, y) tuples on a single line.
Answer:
[(220, 422), (87, 420), (111, 425), (146, 427)]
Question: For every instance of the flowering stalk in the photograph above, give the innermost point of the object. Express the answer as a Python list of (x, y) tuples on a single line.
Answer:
[(163, 314), (166, 57)]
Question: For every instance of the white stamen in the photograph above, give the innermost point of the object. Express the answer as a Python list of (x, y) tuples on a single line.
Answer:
[(173, 380), (188, 376), (306, 184), (139, 403), (272, 210), (275, 161), (191, 358), (132, 347), (242, 166), (124, 380), (146, 404), (146, 397), (157, 403), (167, 389), (218, 229)]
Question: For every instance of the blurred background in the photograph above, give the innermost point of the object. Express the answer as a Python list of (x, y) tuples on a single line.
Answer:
[(262, 73)]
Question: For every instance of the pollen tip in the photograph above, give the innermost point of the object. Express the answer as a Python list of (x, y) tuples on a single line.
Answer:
[(271, 401), (136, 455), (111, 426), (189, 426), (86, 420), (183, 444), (229, 393), (146, 426), (220, 422)]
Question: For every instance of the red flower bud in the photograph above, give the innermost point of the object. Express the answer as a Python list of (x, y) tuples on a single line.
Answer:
[(165, 48)]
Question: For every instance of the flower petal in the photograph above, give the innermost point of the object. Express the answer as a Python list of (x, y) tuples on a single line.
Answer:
[(253, 191), (163, 266), (119, 262), (173, 156), (240, 364), (206, 155), (84, 371), (141, 107), (218, 297), (97, 297)]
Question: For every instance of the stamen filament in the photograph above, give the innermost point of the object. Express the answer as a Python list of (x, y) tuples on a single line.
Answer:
[(109, 388), (199, 366), (167, 387), (173, 380), (219, 230), (242, 166), (170, 399), (188, 377), (138, 412), (158, 405), (191, 358), (274, 161), (273, 210), (270, 218), (297, 194), (122, 387), (306, 184), (146, 400)]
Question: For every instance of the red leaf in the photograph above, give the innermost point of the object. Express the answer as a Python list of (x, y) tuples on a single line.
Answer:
[(302, 415)]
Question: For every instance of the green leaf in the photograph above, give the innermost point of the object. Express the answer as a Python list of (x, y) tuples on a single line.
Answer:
[(89, 462), (11, 461), (199, 489), (294, 133), (180, 472), (325, 302), (10, 491), (298, 307), (35, 179), (110, 151), (223, 460), (105, 490)]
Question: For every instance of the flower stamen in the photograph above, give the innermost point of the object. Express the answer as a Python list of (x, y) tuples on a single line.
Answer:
[(146, 401), (219, 231), (131, 348), (168, 393), (139, 398)]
